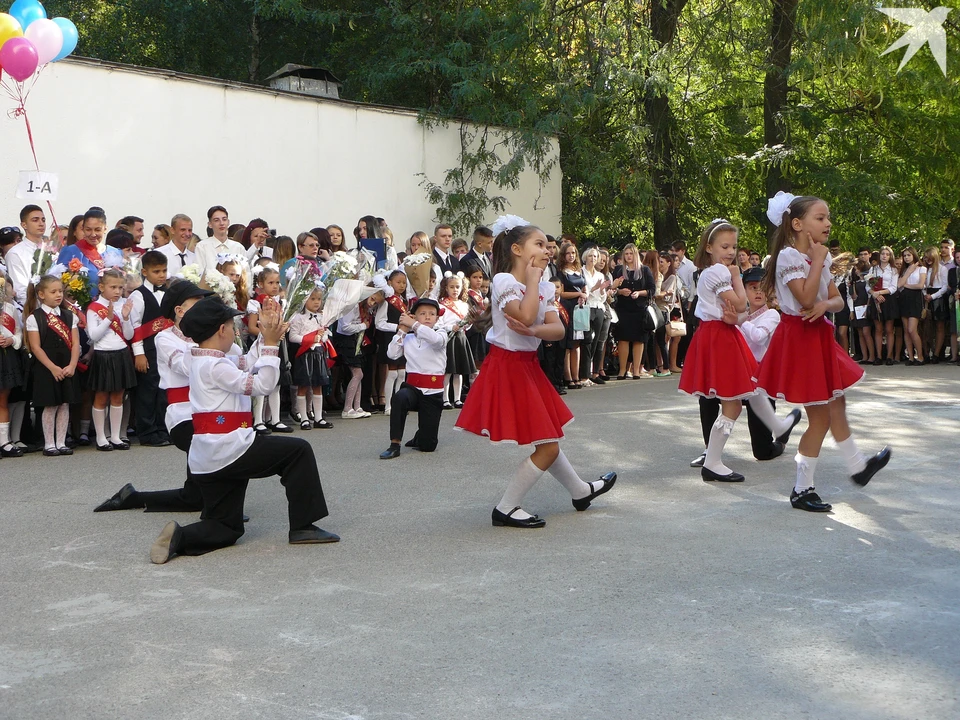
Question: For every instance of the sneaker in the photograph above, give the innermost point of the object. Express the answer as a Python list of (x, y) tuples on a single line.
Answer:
[(662, 373), (351, 414), (365, 414)]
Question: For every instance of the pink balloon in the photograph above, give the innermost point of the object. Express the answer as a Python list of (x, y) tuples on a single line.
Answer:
[(19, 58), (47, 38)]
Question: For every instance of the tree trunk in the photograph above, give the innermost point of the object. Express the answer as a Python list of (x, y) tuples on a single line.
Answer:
[(665, 203), (254, 67), (775, 87)]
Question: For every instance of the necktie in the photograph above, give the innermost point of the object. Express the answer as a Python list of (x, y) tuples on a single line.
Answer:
[(182, 259)]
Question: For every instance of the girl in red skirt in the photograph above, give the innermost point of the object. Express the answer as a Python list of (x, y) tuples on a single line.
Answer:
[(719, 362), (804, 364), (512, 400)]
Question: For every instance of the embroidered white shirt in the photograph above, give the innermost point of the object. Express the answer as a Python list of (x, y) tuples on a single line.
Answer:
[(504, 289), (758, 328), (714, 281), (794, 265), (425, 350)]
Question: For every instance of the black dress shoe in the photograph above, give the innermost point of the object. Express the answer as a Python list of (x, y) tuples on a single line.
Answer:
[(322, 425), (51, 452), (878, 361), (606, 482), (124, 499), (698, 463), (119, 445), (65, 450), (261, 429), (707, 474), (246, 518), (280, 428), (794, 416), (874, 465), (105, 448), (809, 500), (412, 442), (775, 452), (391, 452), (312, 535), (11, 451), (561, 391), (167, 543), (507, 520), (890, 361)]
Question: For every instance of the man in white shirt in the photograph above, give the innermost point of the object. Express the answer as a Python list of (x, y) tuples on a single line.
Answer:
[(946, 254), (176, 251), (207, 250), (20, 259), (686, 271)]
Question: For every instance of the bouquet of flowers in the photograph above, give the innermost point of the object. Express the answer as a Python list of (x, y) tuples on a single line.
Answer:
[(302, 280), (211, 280), (76, 282), (418, 269), (42, 262), (875, 282)]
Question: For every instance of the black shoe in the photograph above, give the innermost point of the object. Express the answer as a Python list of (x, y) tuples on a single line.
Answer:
[(11, 451), (561, 390), (890, 361), (874, 465), (867, 362), (105, 448), (775, 452), (809, 500), (711, 475), (322, 425), (598, 380), (607, 482), (124, 499), (935, 360), (155, 443), (458, 404), (280, 428), (878, 361), (447, 405), (391, 452), (795, 416), (507, 520), (261, 429), (305, 425), (121, 445), (167, 543), (83, 440), (698, 463), (51, 452), (312, 535), (65, 450), (246, 518), (412, 442)]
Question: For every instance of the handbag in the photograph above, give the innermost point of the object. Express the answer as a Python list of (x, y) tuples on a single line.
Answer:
[(676, 328), (581, 318), (653, 319)]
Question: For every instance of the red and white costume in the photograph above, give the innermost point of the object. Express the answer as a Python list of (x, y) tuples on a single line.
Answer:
[(512, 400), (719, 362), (804, 365)]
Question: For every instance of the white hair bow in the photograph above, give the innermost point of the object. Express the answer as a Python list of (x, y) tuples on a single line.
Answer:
[(778, 205), (506, 223), (380, 283)]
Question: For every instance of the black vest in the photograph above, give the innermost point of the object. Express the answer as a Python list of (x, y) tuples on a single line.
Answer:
[(151, 311)]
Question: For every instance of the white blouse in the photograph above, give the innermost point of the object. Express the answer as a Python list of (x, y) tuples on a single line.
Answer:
[(425, 350), (102, 335), (939, 281), (713, 282), (10, 310), (31, 322), (504, 289), (794, 265), (595, 298), (888, 275), (304, 323)]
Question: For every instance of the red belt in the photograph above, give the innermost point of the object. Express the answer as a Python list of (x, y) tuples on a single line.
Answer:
[(220, 423), (178, 395), (426, 382)]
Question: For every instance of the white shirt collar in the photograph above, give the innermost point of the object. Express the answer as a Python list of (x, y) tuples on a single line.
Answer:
[(51, 311)]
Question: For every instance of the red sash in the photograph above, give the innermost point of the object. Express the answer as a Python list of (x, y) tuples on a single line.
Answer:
[(221, 423), (397, 303), (178, 395), (60, 328), (451, 305), (91, 253), (425, 382), (476, 297), (8, 322), (79, 314), (151, 328), (101, 312), (307, 344), (562, 311)]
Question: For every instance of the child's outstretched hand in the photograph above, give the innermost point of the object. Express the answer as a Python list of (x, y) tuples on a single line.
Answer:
[(533, 273), (730, 314)]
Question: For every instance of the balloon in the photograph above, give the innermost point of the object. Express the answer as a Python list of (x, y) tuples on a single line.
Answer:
[(9, 28), (27, 11), (19, 58), (47, 38), (69, 31)]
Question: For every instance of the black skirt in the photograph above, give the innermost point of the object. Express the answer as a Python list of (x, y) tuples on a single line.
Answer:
[(346, 346), (630, 326), (911, 303), (459, 356), (310, 369), (11, 368), (890, 308), (111, 371), (383, 340), (939, 308)]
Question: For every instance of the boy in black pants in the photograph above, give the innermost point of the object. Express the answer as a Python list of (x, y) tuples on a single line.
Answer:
[(148, 320)]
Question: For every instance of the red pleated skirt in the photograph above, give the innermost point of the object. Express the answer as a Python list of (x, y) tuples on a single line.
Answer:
[(512, 401), (805, 365), (719, 363)]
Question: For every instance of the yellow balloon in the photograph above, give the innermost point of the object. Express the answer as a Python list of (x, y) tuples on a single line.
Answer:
[(9, 28)]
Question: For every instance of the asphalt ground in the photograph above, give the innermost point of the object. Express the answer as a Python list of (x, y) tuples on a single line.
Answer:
[(670, 597)]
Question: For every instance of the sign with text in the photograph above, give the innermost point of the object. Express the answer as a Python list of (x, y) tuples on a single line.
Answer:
[(39, 187)]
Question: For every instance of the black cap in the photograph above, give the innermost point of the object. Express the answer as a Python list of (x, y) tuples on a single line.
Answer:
[(203, 320), (10, 235), (177, 293), (427, 301), (754, 274)]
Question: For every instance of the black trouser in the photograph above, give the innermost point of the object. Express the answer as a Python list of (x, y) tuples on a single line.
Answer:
[(185, 499), (658, 340), (150, 402), (551, 361), (428, 408), (601, 344), (761, 438), (223, 491), (588, 349)]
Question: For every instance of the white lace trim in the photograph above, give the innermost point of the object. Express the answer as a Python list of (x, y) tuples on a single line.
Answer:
[(507, 296)]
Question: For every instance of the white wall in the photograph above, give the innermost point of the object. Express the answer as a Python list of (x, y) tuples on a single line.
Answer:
[(149, 143)]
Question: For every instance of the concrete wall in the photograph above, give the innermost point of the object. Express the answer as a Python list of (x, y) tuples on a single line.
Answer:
[(152, 143)]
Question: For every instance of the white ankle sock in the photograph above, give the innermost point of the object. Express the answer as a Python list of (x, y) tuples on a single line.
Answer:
[(719, 433), (762, 408), (317, 407), (116, 421), (302, 408), (563, 471), (856, 461), (806, 467), (526, 477), (99, 425)]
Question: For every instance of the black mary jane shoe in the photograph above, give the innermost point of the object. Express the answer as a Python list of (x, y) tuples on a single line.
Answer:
[(65, 450), (391, 452), (597, 380), (447, 405), (122, 500), (322, 425), (698, 463), (710, 475), (874, 465), (809, 500), (51, 452), (280, 428), (794, 416), (507, 520), (261, 429), (606, 483), (120, 445), (11, 451), (105, 448), (458, 404), (305, 425)]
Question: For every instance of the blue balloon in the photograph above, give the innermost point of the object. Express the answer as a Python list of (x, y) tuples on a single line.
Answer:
[(69, 37), (27, 11)]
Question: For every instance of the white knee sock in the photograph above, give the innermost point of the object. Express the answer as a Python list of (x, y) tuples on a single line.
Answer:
[(563, 471), (806, 467), (457, 387), (302, 408), (99, 425), (389, 387), (762, 408), (526, 477), (258, 411), (856, 460), (275, 405), (401, 377), (719, 433), (317, 407), (4, 434), (17, 411), (446, 389), (63, 424), (116, 421)]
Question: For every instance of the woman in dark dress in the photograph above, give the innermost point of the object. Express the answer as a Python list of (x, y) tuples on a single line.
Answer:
[(572, 295), (633, 285)]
